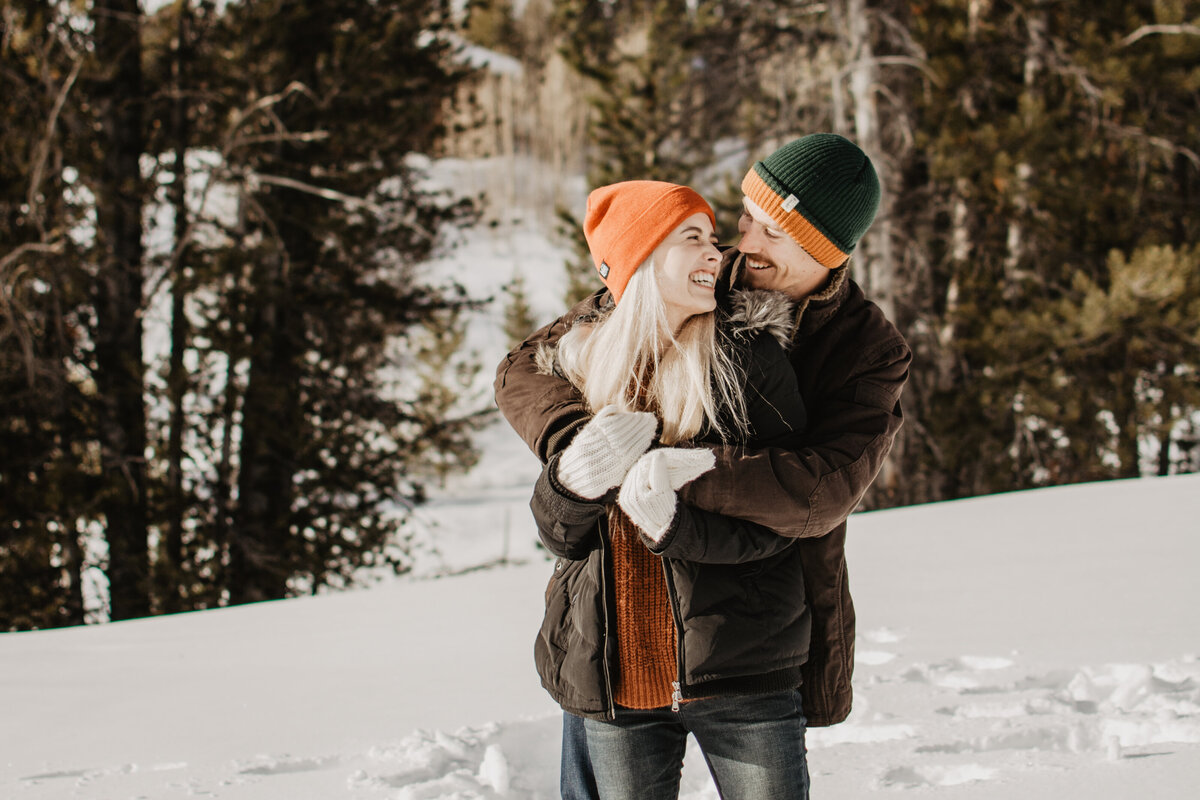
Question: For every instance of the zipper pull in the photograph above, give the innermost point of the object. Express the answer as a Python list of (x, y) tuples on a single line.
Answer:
[(676, 695)]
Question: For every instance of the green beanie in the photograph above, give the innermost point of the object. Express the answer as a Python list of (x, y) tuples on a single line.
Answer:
[(822, 190)]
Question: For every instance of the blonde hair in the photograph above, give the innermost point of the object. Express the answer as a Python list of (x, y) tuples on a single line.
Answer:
[(632, 359)]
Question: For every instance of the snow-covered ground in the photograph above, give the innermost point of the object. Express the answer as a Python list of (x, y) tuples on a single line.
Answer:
[(1033, 645), (1036, 645)]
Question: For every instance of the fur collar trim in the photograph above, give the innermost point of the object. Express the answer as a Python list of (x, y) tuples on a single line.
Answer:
[(755, 311)]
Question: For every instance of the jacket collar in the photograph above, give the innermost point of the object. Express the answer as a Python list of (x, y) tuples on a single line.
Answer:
[(817, 309)]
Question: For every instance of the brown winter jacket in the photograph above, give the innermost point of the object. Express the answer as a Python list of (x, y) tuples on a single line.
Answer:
[(851, 365), (735, 589)]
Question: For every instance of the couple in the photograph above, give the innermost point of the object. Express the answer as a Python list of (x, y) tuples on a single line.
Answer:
[(707, 423)]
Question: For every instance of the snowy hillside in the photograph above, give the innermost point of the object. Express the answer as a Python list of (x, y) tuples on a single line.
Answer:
[(1034, 645)]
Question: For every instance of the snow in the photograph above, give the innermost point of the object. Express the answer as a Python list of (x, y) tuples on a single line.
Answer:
[(1037, 645)]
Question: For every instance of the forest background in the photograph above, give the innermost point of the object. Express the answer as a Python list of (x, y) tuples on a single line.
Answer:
[(255, 170)]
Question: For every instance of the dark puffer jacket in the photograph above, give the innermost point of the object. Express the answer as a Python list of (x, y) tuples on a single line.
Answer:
[(851, 364), (736, 588)]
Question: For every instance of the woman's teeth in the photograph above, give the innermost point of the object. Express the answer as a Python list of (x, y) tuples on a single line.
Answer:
[(703, 278)]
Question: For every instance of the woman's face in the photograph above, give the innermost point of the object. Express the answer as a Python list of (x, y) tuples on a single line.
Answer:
[(686, 265)]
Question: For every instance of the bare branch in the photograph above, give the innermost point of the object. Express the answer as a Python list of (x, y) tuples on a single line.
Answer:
[(1165, 30), (1157, 141), (38, 171), (54, 247), (264, 104), (904, 61), (347, 200), (11, 309), (329, 194), (243, 141)]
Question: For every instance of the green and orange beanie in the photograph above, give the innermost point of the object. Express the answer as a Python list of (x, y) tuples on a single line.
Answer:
[(626, 221), (822, 190)]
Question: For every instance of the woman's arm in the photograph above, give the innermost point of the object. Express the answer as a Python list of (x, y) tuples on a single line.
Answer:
[(567, 524)]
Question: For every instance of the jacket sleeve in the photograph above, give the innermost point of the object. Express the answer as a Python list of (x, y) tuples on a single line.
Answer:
[(776, 414), (708, 538), (544, 410), (567, 524), (810, 489)]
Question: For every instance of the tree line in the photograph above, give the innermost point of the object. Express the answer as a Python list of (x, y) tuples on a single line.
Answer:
[(1038, 238), (241, 175)]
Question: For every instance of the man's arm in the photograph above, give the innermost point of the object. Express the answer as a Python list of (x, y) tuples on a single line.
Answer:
[(811, 490), (708, 538), (545, 410)]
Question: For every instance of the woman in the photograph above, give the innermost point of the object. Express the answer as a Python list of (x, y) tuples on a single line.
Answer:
[(664, 620)]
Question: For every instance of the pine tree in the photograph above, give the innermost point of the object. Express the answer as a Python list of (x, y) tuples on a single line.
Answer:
[(667, 81), (1047, 156), (336, 220), (45, 419), (117, 94), (518, 316), (445, 373)]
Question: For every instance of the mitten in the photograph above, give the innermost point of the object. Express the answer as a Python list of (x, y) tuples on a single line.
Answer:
[(600, 455), (648, 492)]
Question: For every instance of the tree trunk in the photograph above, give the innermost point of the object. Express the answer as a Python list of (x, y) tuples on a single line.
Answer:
[(874, 261), (223, 492), (1033, 68), (172, 567), (119, 371), (259, 564)]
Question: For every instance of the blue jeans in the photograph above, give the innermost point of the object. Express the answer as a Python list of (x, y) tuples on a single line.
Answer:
[(575, 779), (754, 747)]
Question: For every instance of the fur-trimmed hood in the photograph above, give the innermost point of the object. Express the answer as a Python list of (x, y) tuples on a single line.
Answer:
[(760, 311)]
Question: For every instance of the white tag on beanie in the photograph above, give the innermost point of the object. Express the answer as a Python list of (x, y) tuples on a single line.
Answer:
[(791, 202)]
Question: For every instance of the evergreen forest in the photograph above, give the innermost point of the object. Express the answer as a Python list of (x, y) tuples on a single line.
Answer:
[(250, 171)]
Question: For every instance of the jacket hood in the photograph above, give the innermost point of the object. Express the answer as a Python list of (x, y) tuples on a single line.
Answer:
[(759, 311)]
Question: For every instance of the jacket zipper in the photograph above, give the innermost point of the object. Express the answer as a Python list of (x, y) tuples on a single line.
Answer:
[(676, 685), (612, 703)]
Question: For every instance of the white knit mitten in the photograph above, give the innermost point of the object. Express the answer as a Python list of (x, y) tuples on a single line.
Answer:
[(648, 492), (600, 455)]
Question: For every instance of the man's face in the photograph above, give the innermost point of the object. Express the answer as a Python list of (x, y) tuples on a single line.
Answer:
[(773, 258)]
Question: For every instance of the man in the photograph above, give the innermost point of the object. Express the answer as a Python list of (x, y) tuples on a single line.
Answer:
[(805, 208)]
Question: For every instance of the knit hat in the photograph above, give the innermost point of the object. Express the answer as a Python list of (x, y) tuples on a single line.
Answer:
[(822, 190), (626, 221)]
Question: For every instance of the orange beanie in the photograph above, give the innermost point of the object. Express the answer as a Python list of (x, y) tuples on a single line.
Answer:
[(626, 221)]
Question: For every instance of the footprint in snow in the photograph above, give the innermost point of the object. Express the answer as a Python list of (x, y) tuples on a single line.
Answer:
[(918, 777)]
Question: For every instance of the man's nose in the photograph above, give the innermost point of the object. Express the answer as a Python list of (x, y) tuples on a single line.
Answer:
[(750, 242)]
